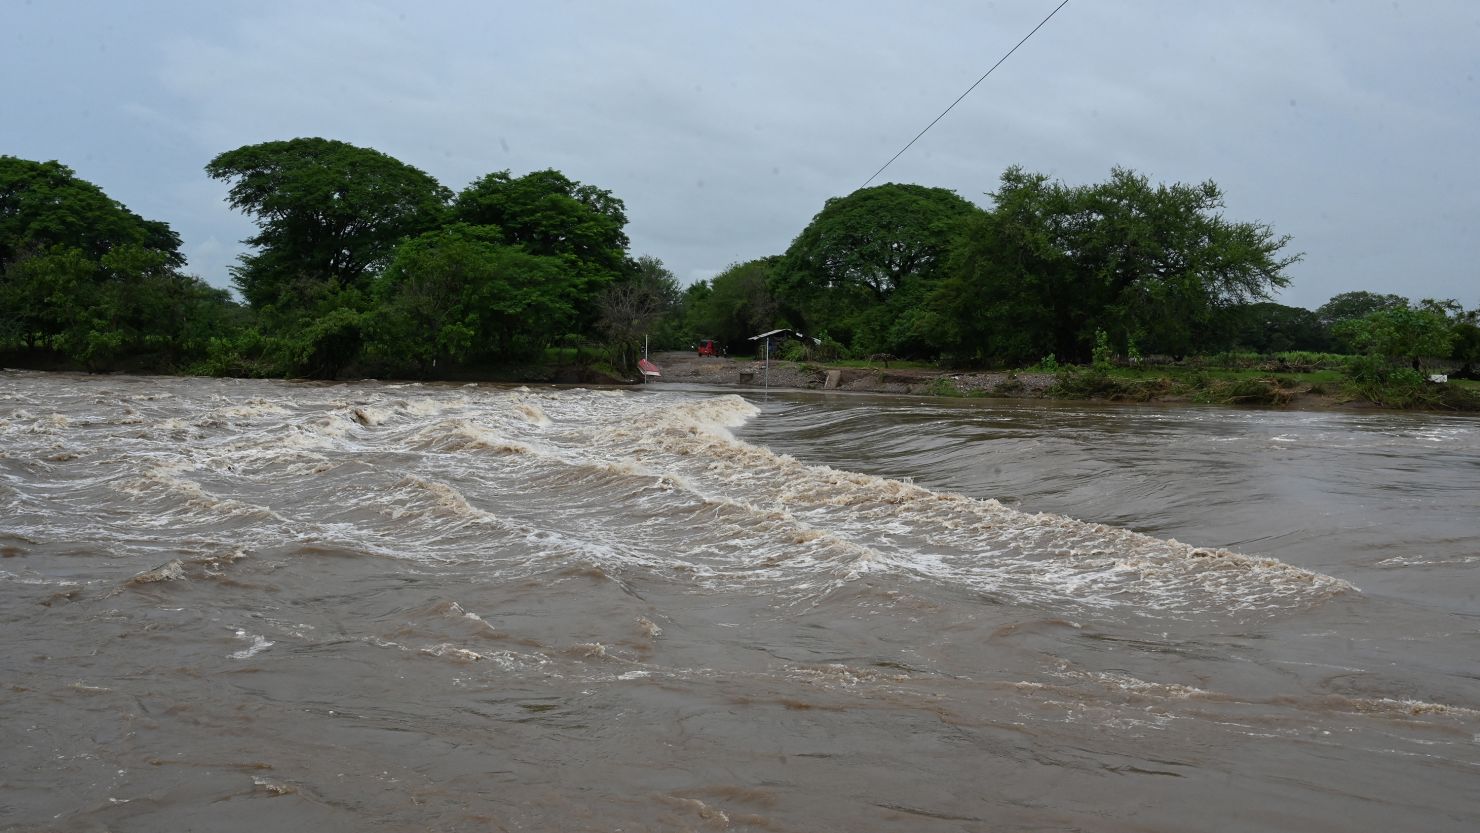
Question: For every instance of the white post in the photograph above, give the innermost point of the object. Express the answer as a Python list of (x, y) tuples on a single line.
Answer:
[(768, 363)]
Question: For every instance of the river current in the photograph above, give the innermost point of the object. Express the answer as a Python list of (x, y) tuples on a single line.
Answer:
[(238, 605)]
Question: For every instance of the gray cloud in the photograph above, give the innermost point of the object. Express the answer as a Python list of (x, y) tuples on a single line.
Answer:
[(1350, 126)]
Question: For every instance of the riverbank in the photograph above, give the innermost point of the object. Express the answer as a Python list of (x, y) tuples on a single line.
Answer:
[(716, 370), (1325, 389)]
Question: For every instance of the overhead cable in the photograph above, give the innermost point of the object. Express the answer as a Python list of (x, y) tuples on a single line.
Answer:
[(968, 92)]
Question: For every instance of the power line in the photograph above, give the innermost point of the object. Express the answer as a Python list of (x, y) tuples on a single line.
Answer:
[(968, 92)]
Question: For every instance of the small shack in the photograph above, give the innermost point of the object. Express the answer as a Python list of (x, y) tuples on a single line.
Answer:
[(768, 343)]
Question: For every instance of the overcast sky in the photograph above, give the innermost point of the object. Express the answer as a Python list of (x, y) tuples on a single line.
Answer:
[(1352, 126)]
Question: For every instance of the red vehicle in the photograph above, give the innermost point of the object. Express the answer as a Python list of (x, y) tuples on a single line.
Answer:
[(707, 347)]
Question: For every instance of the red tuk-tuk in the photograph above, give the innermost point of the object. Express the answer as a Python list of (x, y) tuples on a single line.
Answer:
[(707, 347)]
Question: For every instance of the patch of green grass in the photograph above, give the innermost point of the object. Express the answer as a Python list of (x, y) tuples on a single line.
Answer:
[(1205, 375), (943, 386)]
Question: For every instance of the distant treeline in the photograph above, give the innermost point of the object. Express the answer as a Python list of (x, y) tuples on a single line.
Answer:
[(364, 264)]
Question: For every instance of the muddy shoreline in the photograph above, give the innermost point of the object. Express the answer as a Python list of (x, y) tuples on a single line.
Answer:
[(688, 368)]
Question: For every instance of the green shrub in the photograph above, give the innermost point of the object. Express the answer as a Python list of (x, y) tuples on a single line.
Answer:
[(1381, 382), (1402, 387), (1230, 360), (943, 386), (1102, 355)]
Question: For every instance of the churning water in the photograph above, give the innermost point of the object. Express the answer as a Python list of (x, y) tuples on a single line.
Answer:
[(246, 605)]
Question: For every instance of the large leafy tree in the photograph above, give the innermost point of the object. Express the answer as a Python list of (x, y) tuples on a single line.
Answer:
[(45, 204), (863, 250), (1051, 264), (1354, 306), (329, 214), (1268, 327), (736, 305), (1348, 306), (1161, 262), (1400, 334), (459, 293), (1009, 291), (83, 276), (549, 214)]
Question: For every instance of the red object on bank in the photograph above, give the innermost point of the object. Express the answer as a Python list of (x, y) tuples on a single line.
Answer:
[(706, 347), (648, 368)]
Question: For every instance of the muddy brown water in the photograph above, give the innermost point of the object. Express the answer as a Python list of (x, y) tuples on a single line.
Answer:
[(251, 605)]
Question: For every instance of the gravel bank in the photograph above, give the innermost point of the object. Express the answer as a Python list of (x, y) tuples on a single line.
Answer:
[(713, 370)]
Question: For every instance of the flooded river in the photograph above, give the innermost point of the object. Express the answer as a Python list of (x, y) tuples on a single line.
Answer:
[(248, 605)]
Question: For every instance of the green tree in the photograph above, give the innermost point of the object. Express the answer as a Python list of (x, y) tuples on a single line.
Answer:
[(551, 215), (46, 296), (1010, 293), (83, 276), (1399, 334), (44, 204), (1051, 264), (329, 215), (1268, 327), (1467, 349), (1352, 305), (1394, 343), (459, 294), (737, 304), (694, 311), (863, 250)]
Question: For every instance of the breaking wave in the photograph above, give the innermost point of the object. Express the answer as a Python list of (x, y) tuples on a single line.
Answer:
[(527, 482)]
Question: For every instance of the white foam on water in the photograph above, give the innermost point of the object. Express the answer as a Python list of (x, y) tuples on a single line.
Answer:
[(169, 571), (259, 644), (525, 483), (532, 413), (871, 524)]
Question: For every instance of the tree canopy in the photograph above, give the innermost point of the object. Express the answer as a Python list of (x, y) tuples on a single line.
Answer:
[(862, 250), (459, 292), (329, 214), (735, 304), (359, 254), (1400, 333), (550, 214), (83, 277), (1051, 264), (1351, 305), (45, 204)]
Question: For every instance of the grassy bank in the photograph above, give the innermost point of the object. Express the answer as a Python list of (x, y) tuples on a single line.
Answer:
[(1249, 386)]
